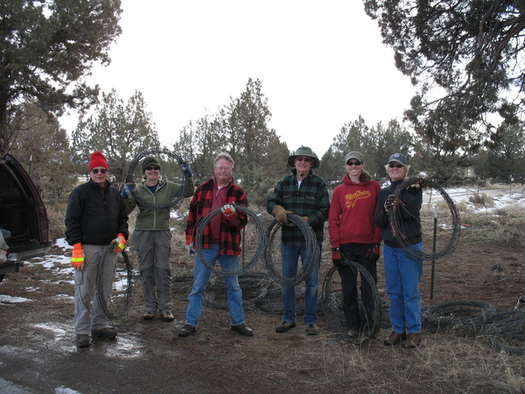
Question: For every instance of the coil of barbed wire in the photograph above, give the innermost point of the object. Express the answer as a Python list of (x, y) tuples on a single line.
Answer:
[(503, 330), (312, 251), (396, 223), (471, 315), (332, 302), (254, 287), (176, 199), (260, 241), (114, 304)]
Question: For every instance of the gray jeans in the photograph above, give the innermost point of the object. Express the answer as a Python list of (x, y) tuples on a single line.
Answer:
[(153, 250), (89, 313)]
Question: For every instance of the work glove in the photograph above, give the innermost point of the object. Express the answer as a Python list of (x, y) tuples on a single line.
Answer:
[(127, 190), (281, 214), (77, 257), (185, 166), (229, 211), (373, 253), (391, 200), (190, 242), (418, 182), (120, 242), (336, 257)]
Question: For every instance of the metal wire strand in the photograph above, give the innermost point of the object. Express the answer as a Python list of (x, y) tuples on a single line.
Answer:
[(332, 302), (111, 308), (259, 251), (180, 194), (312, 252), (394, 216)]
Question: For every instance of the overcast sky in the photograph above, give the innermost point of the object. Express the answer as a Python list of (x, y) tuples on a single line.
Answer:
[(321, 64)]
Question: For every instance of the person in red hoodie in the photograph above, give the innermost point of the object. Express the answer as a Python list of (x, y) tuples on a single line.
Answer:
[(355, 237)]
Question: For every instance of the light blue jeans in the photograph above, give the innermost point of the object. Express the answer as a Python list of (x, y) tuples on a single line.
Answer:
[(290, 259), (402, 275), (200, 282)]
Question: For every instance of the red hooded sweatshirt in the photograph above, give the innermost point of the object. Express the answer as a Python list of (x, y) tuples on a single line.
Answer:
[(352, 210)]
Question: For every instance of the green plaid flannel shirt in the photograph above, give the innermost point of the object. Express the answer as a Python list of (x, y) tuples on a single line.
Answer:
[(311, 200)]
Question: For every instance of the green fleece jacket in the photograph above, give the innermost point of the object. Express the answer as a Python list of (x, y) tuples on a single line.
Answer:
[(156, 220)]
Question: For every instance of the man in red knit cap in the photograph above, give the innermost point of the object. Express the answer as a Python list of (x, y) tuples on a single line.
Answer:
[(95, 218)]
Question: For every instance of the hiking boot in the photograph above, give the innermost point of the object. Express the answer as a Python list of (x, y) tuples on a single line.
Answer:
[(187, 330), (148, 315), (285, 326), (394, 338), (167, 316), (243, 329), (311, 329), (413, 340), (106, 333), (82, 340), (353, 333)]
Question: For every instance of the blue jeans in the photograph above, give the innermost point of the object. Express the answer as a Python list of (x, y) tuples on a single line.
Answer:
[(402, 275), (290, 258), (200, 282)]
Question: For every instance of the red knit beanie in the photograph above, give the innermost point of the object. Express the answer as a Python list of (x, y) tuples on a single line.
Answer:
[(98, 160)]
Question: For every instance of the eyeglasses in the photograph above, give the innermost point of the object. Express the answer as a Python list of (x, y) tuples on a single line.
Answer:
[(306, 159), (392, 165), (96, 170), (151, 168), (223, 168), (353, 163)]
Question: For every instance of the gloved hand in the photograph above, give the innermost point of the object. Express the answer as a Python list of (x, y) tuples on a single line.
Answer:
[(125, 193), (120, 242), (336, 257), (281, 214), (418, 182), (190, 242), (305, 218), (77, 257), (229, 211), (391, 200), (373, 253), (185, 166)]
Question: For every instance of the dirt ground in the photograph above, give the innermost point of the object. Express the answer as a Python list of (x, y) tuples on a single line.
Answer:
[(37, 351)]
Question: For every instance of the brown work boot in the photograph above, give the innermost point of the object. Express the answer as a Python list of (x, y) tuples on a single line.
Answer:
[(413, 340), (394, 338)]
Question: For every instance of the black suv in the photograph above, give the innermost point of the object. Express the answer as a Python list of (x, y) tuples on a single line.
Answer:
[(23, 217)]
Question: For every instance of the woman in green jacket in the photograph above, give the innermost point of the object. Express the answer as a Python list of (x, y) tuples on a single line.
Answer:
[(152, 236)]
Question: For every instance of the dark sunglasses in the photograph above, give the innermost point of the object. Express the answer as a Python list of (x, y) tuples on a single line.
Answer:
[(353, 163), (96, 170), (306, 159), (392, 165), (151, 168)]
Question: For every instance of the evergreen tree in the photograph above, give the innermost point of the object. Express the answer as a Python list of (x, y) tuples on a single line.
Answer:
[(46, 46), (121, 131)]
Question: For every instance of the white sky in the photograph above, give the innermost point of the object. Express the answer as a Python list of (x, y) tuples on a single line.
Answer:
[(321, 64)]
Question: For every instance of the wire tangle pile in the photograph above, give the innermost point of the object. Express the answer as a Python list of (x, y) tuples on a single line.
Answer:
[(504, 330)]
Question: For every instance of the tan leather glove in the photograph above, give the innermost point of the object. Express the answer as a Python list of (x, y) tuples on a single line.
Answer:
[(281, 214)]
